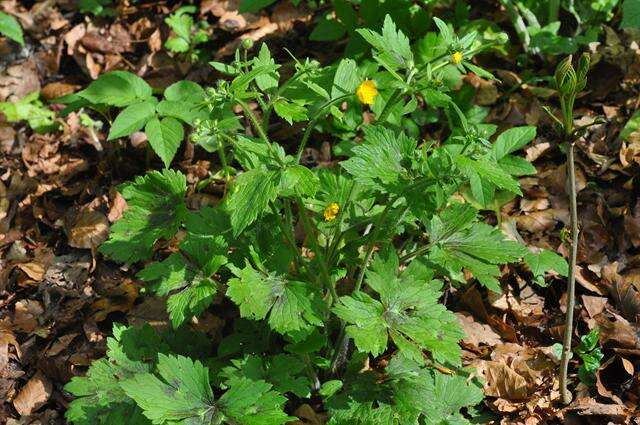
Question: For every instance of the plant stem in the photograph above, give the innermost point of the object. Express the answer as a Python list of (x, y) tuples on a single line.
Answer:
[(568, 330), (341, 348), (324, 270), (314, 120), (258, 127)]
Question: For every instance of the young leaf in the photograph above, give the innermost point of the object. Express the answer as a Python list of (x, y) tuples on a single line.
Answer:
[(132, 118), (392, 46), (165, 137), (10, 27), (290, 305), (117, 88), (408, 312), (269, 80), (545, 260), (155, 210)]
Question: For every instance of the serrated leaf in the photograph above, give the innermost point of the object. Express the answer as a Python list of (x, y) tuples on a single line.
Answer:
[(298, 180), (250, 402), (408, 312), (266, 81), (381, 156), (100, 398), (460, 242), (155, 210), (180, 393), (10, 27), (186, 276), (392, 47), (117, 88), (483, 175), (132, 118), (251, 195), (346, 79), (289, 305), (290, 111), (165, 137), (286, 373)]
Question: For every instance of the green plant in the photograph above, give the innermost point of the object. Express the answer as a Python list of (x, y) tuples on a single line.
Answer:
[(187, 34), (31, 110), (591, 355), (9, 27), (310, 259), (97, 7)]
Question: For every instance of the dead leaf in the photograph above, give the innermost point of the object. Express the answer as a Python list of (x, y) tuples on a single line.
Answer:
[(6, 338), (33, 395), (477, 333), (593, 305), (86, 228), (502, 381)]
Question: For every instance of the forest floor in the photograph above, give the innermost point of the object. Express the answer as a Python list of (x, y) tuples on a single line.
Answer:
[(59, 297)]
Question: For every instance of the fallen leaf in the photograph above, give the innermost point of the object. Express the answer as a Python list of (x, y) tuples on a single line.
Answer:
[(502, 381), (33, 395), (86, 228)]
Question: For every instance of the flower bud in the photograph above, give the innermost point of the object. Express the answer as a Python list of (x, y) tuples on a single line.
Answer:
[(247, 43)]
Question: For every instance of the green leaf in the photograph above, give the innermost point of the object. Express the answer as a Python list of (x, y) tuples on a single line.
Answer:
[(290, 111), (512, 140), (632, 126), (250, 402), (630, 14), (542, 262), (381, 156), (253, 6), (290, 305), (117, 88), (460, 242), (328, 30), (516, 166), (186, 277), (31, 110), (408, 312), (346, 79), (155, 210), (165, 137), (482, 175), (268, 80), (9, 27), (392, 47), (298, 180), (132, 118), (286, 373), (100, 398), (251, 195), (181, 393), (184, 91)]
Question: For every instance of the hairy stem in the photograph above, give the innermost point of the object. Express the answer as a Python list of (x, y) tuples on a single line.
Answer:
[(568, 330)]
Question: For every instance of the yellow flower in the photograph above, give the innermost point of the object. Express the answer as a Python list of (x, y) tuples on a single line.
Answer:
[(456, 58), (331, 212), (367, 92)]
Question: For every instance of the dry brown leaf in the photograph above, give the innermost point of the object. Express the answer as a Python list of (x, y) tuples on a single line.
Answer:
[(33, 395), (6, 338), (86, 229), (121, 298), (26, 315), (593, 305), (477, 333), (502, 381)]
